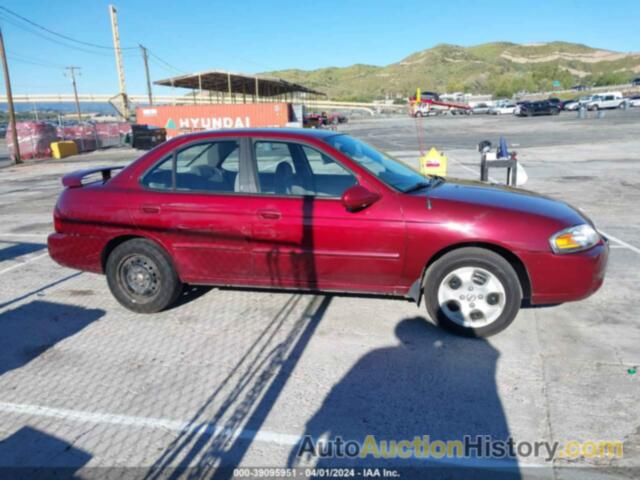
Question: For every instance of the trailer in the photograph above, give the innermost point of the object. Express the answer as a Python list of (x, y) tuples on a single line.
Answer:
[(435, 106)]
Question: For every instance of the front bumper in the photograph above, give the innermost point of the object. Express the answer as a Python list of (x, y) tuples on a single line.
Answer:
[(565, 278)]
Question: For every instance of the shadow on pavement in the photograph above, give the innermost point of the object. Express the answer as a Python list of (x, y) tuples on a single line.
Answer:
[(251, 389), (433, 384), (31, 329), (32, 454), (17, 249)]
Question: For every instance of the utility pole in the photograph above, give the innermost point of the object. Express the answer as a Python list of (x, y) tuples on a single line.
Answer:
[(72, 74), (12, 113), (116, 46), (145, 57)]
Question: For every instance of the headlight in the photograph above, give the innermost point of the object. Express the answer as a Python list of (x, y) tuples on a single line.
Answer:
[(574, 239)]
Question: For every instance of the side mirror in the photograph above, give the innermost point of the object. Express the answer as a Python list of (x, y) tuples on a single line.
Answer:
[(357, 198)]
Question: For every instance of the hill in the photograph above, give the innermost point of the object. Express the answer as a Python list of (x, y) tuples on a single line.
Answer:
[(500, 68)]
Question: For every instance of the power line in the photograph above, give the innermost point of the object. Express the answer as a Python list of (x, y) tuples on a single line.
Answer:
[(18, 57), (57, 42), (66, 37), (164, 62)]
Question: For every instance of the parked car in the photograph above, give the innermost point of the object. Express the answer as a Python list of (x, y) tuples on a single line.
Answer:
[(634, 101), (556, 102), (576, 103), (336, 118), (606, 100), (543, 107), (507, 108), (320, 211), (579, 88), (315, 120), (636, 82), (480, 108)]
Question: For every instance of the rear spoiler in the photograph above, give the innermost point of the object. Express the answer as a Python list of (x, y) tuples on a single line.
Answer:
[(74, 179)]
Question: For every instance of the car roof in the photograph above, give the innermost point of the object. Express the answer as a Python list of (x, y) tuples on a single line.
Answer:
[(266, 132)]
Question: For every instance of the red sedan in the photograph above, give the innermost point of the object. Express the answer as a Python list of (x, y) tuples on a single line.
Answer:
[(321, 211)]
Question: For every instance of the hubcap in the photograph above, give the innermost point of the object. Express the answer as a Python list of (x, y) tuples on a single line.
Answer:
[(471, 297), (139, 275)]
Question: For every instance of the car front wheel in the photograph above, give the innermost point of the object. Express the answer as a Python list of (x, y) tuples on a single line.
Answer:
[(141, 276), (473, 292)]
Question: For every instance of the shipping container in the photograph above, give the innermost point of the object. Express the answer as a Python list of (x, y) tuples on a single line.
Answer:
[(178, 119)]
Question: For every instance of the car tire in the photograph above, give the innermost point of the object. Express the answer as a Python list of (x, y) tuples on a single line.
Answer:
[(492, 292), (141, 276)]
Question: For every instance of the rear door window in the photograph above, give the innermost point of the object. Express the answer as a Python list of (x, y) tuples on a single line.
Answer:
[(202, 167)]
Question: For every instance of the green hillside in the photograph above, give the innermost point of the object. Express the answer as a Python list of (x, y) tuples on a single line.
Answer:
[(499, 68)]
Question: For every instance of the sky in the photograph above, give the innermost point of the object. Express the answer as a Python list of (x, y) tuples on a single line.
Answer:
[(254, 36)]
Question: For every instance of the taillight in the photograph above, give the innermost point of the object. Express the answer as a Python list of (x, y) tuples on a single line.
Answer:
[(57, 221)]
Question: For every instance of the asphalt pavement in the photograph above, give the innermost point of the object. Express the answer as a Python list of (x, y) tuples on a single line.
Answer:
[(237, 377)]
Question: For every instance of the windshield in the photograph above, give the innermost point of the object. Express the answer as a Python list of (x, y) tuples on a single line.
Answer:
[(390, 171)]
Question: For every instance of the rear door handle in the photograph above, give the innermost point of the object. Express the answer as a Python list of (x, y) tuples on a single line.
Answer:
[(269, 214), (150, 208)]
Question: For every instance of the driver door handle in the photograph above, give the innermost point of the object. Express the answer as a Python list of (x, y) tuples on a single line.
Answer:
[(269, 214), (150, 209)]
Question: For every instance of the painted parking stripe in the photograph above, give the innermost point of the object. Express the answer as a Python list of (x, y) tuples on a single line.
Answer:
[(146, 422), (26, 235), (621, 242), (22, 264), (209, 428)]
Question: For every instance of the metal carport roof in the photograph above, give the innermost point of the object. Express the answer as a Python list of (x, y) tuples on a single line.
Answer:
[(236, 83)]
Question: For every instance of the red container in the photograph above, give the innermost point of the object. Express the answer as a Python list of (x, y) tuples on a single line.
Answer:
[(178, 119)]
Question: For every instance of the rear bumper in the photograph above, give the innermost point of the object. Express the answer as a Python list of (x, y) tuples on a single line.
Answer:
[(565, 278), (82, 252)]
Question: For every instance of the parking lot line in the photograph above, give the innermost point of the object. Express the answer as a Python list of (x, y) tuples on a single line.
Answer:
[(208, 428), (22, 264), (621, 242), (34, 235), (146, 422)]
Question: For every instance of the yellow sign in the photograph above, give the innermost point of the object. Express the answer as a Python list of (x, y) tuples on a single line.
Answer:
[(418, 95), (433, 163)]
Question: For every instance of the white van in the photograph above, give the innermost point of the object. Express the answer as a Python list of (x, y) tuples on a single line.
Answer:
[(606, 100)]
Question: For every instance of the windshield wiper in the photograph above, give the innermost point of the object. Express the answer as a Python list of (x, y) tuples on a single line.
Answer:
[(417, 186), (434, 181)]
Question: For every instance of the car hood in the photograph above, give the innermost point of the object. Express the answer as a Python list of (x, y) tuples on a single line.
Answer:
[(507, 198)]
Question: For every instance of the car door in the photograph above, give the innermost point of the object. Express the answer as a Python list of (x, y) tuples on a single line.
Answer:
[(192, 203), (302, 235)]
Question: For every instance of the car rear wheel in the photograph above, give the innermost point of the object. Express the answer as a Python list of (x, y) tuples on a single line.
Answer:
[(473, 292), (141, 276)]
